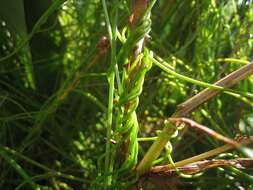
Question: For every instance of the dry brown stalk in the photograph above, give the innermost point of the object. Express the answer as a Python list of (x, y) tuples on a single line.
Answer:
[(102, 48), (205, 95), (138, 9), (239, 163), (193, 124)]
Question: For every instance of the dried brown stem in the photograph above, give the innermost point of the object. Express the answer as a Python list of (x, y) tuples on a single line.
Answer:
[(205, 95), (203, 128), (138, 9), (102, 48), (159, 175), (239, 163)]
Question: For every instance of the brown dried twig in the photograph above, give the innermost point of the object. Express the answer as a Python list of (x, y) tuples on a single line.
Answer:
[(239, 163), (159, 175), (102, 48), (203, 128), (205, 95)]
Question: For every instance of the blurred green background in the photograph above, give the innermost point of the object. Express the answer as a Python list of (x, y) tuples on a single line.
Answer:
[(54, 90)]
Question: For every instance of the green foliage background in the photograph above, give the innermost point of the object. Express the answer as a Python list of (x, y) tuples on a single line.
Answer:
[(53, 109)]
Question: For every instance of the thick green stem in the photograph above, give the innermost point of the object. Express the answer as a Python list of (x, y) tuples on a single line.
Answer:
[(111, 78), (109, 128), (156, 148)]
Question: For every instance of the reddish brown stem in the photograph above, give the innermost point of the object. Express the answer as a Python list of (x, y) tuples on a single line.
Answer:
[(138, 9), (203, 128)]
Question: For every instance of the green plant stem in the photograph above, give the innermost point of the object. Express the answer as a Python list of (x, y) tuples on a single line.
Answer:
[(156, 148), (201, 83), (4, 150), (140, 139), (233, 60), (17, 167), (236, 172), (108, 169), (111, 80), (93, 99)]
